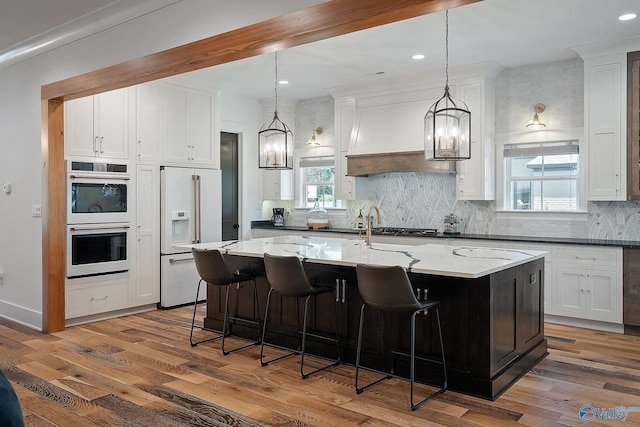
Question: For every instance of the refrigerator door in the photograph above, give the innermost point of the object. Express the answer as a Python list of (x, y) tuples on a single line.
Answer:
[(179, 280), (190, 207)]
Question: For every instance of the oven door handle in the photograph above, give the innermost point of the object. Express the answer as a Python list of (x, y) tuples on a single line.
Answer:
[(98, 227), (116, 177)]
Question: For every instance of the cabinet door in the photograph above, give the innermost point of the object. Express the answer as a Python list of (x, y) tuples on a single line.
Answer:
[(200, 129), (603, 298), (79, 138), (174, 101), (475, 176), (606, 159), (278, 185), (147, 286), (111, 112), (570, 291), (146, 140)]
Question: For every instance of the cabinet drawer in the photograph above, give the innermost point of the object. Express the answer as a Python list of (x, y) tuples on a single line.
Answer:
[(589, 257), (83, 300)]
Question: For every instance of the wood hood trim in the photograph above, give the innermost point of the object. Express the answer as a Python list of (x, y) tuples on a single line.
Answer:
[(409, 161)]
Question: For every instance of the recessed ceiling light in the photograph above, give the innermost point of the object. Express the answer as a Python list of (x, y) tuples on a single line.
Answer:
[(627, 17), (418, 56), (283, 82)]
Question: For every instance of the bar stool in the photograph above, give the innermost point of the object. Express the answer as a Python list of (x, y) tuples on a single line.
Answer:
[(389, 290), (213, 269), (287, 277)]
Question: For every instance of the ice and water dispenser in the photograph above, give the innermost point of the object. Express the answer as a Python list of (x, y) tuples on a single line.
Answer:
[(180, 230)]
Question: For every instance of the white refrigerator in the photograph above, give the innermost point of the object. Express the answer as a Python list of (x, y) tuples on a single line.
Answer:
[(190, 212)]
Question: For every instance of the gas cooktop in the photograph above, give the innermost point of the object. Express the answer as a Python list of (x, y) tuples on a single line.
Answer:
[(398, 231)]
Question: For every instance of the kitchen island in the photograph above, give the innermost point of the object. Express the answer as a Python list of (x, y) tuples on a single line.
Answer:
[(491, 306)]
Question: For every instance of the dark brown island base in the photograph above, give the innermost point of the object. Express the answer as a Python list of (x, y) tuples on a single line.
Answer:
[(493, 326)]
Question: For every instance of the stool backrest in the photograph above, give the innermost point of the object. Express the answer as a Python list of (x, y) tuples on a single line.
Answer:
[(386, 288), (286, 275), (211, 266)]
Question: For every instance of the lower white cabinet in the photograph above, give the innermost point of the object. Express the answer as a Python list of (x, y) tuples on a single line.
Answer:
[(89, 297), (589, 283)]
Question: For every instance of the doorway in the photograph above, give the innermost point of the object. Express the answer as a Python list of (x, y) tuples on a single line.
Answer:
[(229, 167)]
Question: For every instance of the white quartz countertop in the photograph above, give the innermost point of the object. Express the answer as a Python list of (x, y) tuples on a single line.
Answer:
[(444, 260)]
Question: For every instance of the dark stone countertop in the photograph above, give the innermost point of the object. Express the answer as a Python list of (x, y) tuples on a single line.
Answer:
[(530, 239)]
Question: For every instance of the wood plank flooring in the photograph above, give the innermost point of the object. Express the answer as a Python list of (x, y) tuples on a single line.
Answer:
[(141, 371)]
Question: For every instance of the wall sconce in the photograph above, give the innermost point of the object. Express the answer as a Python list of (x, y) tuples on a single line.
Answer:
[(313, 142), (535, 123)]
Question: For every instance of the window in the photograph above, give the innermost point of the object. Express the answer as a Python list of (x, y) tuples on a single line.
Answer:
[(318, 182), (541, 176)]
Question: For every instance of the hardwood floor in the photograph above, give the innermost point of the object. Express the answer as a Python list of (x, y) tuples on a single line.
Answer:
[(141, 370)]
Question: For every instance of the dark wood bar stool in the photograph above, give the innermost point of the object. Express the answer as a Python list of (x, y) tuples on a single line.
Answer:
[(213, 270), (389, 290), (287, 277)]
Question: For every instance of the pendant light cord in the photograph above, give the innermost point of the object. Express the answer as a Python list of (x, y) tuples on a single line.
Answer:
[(446, 50), (275, 113)]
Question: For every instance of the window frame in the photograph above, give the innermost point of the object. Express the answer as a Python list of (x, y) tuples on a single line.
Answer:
[(503, 210), (327, 161)]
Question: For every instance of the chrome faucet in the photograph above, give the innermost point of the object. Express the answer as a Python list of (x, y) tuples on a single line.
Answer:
[(367, 237)]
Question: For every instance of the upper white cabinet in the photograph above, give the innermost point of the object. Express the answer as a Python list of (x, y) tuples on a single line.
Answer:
[(346, 187), (605, 123), (278, 185), (475, 178), (144, 125), (189, 130), (98, 126)]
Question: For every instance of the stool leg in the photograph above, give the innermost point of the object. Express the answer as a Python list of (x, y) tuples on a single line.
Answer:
[(264, 328), (226, 318), (193, 319), (304, 337), (255, 299), (413, 360)]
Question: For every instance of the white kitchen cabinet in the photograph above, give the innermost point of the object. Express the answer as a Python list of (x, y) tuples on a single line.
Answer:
[(605, 127), (189, 129), (144, 124), (475, 178), (346, 187), (277, 184), (589, 283), (98, 126), (88, 296), (146, 289)]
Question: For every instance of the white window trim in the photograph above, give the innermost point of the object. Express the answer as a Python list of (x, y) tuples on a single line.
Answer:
[(546, 135)]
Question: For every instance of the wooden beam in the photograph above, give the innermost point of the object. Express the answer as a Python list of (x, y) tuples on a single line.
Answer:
[(325, 20), (408, 161)]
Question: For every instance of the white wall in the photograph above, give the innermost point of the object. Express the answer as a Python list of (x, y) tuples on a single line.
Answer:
[(20, 121)]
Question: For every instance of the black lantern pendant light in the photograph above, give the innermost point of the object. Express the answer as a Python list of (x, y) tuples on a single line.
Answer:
[(275, 139), (447, 125)]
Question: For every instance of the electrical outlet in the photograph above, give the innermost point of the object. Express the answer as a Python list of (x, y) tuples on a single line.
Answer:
[(620, 219), (478, 215), (36, 211)]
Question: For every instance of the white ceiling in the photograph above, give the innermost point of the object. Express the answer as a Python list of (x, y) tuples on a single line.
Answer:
[(511, 33)]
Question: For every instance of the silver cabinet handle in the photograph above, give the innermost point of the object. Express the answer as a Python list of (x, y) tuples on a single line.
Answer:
[(344, 290), (337, 290)]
